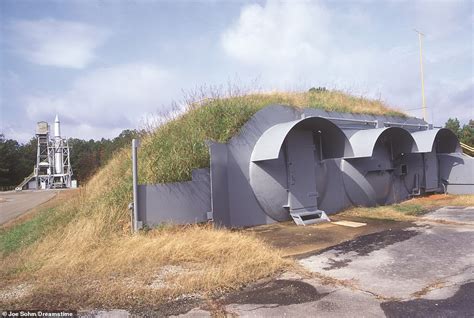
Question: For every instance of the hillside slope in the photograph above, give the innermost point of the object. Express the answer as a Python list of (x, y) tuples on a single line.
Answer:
[(173, 150), (87, 240)]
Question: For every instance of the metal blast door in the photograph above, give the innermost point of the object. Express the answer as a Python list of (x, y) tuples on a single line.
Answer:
[(301, 171), (430, 160)]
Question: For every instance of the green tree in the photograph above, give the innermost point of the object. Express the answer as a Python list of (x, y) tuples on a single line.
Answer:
[(467, 135), (8, 155), (18, 160), (454, 126)]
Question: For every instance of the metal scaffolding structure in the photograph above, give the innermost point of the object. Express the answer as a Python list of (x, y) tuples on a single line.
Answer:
[(53, 165)]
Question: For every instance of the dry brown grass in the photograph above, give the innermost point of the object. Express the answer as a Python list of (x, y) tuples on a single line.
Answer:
[(411, 209), (331, 100), (88, 259), (145, 270), (93, 262)]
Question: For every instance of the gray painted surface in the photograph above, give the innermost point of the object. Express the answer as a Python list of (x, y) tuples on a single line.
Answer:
[(32, 185), (457, 172), (364, 141), (269, 144), (286, 159), (441, 140), (219, 184), (177, 203), (135, 144), (431, 171), (302, 194)]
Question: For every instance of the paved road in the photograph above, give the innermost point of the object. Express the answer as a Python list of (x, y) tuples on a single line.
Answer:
[(423, 270), (14, 204)]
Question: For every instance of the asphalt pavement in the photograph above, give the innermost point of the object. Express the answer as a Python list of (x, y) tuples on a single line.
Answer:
[(423, 270), (13, 204)]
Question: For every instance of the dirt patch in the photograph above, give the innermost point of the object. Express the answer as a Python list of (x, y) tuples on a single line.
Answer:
[(427, 289), (281, 292), (434, 197), (15, 292), (298, 241), (173, 308)]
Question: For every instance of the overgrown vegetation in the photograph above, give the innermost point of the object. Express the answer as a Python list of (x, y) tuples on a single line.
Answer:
[(81, 254), (178, 146)]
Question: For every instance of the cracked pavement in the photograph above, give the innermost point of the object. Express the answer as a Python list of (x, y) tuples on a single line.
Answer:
[(424, 270)]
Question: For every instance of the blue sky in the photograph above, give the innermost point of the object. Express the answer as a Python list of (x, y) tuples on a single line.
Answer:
[(105, 66)]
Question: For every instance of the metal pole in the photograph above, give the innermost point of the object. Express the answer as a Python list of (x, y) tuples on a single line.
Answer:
[(135, 184), (422, 76)]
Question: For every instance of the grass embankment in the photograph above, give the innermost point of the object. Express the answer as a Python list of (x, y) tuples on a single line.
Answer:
[(410, 210), (80, 254), (178, 146), (33, 225)]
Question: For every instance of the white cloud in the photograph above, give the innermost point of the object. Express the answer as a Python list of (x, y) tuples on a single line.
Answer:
[(107, 99), (286, 42), (300, 41), (278, 32), (57, 42), (457, 104), (11, 132)]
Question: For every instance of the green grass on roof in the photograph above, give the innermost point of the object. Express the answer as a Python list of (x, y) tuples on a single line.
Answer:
[(172, 151)]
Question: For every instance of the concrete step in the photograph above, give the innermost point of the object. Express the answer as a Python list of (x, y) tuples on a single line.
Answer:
[(309, 217)]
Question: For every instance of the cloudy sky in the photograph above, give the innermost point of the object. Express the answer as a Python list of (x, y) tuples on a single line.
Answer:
[(107, 65)]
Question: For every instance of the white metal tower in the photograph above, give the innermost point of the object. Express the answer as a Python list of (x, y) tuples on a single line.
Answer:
[(53, 167)]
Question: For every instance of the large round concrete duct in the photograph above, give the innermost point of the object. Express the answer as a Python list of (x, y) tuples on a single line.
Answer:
[(364, 142), (276, 155), (369, 176), (439, 140)]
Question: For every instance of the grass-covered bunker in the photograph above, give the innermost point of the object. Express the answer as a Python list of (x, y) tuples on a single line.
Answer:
[(299, 161)]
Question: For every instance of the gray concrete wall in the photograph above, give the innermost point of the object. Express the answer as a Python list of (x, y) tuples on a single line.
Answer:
[(350, 160), (177, 203), (457, 172), (219, 184)]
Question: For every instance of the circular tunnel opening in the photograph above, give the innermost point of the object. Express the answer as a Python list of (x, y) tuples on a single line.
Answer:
[(446, 142)]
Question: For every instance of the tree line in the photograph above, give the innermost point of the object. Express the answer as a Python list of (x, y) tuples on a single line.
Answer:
[(465, 133), (17, 160)]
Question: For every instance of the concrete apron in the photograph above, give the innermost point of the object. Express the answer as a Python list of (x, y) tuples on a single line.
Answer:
[(423, 270)]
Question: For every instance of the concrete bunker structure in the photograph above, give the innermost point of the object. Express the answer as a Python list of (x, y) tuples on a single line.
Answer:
[(287, 162)]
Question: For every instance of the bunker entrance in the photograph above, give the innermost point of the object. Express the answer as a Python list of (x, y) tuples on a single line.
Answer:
[(308, 145), (302, 194)]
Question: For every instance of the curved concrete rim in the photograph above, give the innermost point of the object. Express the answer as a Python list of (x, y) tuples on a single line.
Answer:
[(426, 139), (269, 144), (363, 142)]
